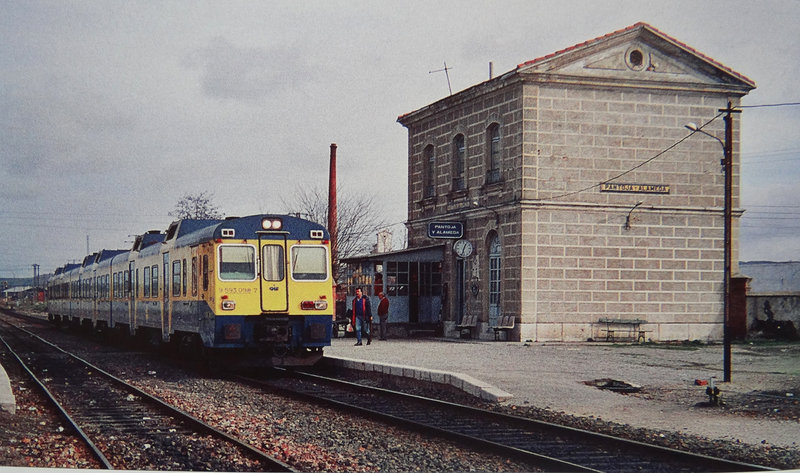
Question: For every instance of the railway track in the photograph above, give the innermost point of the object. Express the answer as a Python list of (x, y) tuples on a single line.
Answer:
[(550, 446), (123, 426)]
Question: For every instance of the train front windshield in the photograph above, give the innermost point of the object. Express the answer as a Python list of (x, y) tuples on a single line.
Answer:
[(309, 263)]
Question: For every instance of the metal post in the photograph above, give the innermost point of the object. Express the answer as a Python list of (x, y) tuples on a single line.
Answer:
[(728, 167)]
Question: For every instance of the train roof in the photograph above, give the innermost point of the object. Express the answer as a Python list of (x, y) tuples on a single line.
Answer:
[(66, 268), (250, 227), (187, 232), (108, 254), (147, 239), (89, 260), (186, 226)]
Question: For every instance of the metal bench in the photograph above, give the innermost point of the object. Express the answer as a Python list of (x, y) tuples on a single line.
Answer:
[(505, 323), (624, 328), (468, 322)]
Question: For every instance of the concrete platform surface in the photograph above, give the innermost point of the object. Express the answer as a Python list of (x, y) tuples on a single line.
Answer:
[(7, 401), (555, 376)]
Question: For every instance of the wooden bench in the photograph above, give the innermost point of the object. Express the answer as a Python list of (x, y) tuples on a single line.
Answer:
[(468, 322), (624, 328), (505, 323)]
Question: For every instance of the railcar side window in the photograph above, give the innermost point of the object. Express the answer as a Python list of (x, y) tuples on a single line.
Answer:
[(185, 276), (205, 272), (154, 288), (176, 278), (272, 262), (146, 284), (309, 263), (237, 263), (194, 275)]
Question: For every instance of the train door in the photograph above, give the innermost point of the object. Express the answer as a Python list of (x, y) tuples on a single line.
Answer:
[(166, 306), (273, 280)]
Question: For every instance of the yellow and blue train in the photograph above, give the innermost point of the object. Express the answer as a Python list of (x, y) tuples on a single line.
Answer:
[(258, 288)]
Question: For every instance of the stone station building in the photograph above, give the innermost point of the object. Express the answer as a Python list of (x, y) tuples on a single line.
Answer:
[(569, 190)]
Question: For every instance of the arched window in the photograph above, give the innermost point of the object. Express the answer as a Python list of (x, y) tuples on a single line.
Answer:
[(493, 154), (459, 163), (495, 277), (429, 174)]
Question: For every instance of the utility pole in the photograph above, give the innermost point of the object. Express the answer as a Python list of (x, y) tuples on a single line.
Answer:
[(728, 167)]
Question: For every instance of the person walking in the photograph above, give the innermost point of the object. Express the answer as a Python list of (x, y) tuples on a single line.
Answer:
[(362, 316), (383, 314)]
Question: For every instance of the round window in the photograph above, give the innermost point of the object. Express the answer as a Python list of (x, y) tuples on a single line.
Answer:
[(635, 59)]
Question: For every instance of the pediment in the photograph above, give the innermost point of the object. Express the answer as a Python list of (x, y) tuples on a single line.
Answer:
[(637, 54)]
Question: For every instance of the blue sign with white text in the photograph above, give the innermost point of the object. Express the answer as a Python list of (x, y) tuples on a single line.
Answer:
[(445, 230)]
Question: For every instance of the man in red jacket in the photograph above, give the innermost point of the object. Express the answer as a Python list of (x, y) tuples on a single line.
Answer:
[(362, 316), (383, 314)]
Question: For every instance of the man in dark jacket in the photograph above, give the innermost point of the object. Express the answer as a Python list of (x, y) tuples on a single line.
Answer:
[(362, 316)]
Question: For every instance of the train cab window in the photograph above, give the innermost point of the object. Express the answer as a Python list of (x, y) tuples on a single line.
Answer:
[(237, 263), (309, 263), (272, 263), (176, 278)]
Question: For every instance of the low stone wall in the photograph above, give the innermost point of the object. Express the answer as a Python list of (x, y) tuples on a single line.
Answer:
[(773, 316)]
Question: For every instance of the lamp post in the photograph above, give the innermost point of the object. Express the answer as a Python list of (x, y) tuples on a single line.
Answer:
[(727, 165)]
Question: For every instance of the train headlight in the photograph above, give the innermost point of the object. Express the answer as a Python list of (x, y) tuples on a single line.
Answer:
[(271, 223), (228, 304), (314, 305)]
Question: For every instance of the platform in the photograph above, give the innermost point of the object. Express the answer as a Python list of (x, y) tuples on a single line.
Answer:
[(562, 377)]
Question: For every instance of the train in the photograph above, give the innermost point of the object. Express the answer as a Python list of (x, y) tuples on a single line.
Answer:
[(256, 290)]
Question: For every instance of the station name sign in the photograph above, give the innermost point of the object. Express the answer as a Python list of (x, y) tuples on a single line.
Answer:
[(635, 188), (445, 230)]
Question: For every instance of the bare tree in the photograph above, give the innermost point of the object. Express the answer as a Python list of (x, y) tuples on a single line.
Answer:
[(197, 206), (360, 217)]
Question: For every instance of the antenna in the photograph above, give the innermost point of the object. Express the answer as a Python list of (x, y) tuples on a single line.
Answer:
[(446, 74)]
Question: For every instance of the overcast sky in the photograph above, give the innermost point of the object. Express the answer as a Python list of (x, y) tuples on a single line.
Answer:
[(112, 110)]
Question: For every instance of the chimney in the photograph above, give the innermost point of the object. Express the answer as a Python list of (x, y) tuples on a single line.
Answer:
[(332, 213)]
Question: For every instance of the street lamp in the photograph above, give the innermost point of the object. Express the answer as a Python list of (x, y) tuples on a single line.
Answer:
[(727, 165), (628, 218)]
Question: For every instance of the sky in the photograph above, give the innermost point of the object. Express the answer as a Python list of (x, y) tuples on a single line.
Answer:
[(111, 111)]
